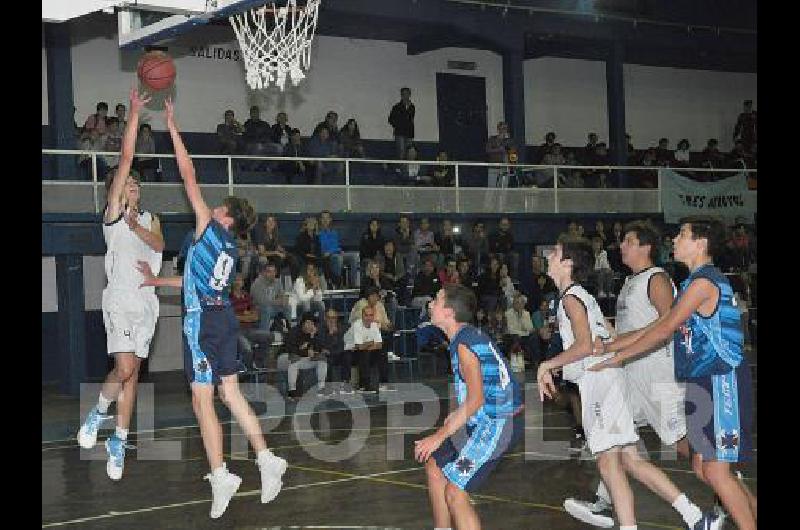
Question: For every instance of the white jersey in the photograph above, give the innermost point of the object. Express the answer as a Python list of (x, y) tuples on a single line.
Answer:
[(124, 250), (574, 370), (636, 311)]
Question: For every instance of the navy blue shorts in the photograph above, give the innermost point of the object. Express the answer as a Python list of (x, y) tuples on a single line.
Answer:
[(719, 415), (210, 345), (467, 463)]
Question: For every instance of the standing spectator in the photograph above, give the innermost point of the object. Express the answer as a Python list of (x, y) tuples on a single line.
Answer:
[(501, 246), (268, 295), (147, 167), (711, 155), (547, 146), (404, 244), (664, 156), (477, 246), (372, 242), (401, 118), (739, 157), (257, 132), (425, 241), (294, 170), (682, 153), (745, 129), (228, 134), (113, 141), (97, 121), (589, 150), (497, 149), (119, 112), (281, 131), (632, 156), (307, 244), (331, 122), (331, 249), (350, 140), (340, 359), (322, 145), (308, 290), (304, 351)]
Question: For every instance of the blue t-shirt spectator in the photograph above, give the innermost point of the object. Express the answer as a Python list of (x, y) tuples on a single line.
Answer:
[(329, 241)]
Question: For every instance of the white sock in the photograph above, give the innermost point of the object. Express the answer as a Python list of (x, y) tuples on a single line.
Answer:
[(437, 528), (603, 493), (627, 527), (264, 455), (103, 404), (688, 510), (220, 472), (121, 433)]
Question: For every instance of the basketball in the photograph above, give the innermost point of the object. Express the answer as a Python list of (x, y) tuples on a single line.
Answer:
[(156, 70)]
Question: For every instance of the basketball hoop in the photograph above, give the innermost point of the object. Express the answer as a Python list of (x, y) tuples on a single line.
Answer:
[(276, 42)]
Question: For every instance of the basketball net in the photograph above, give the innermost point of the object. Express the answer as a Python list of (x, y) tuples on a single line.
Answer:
[(276, 42)]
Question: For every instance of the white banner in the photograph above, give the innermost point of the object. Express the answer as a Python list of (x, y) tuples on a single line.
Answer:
[(727, 198)]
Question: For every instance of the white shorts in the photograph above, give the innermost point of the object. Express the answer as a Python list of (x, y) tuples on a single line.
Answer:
[(607, 419), (656, 398), (130, 319)]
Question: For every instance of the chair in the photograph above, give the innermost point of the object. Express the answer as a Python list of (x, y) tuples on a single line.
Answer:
[(402, 340)]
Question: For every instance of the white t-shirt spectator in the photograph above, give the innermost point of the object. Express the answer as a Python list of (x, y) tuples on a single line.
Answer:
[(519, 324), (682, 155), (362, 334), (601, 261)]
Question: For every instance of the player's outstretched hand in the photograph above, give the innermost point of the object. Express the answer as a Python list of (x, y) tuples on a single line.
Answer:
[(547, 388), (138, 101), (147, 272), (599, 347), (169, 112), (423, 448), (612, 362)]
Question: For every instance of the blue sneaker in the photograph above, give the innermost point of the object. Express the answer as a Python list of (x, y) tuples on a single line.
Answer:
[(87, 435), (115, 446), (709, 521)]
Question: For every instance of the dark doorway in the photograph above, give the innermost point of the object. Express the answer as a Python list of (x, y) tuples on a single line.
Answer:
[(461, 102)]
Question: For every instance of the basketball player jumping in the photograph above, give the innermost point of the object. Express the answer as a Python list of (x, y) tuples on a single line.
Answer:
[(129, 313), (211, 330)]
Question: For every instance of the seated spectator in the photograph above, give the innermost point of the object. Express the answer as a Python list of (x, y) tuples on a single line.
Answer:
[(506, 285), (340, 359), (426, 285), (489, 291), (307, 245), (738, 157), (265, 238), (501, 246), (543, 178), (682, 153), (367, 341), (331, 249), (665, 251), (391, 268), (443, 175), (477, 246), (600, 230), (547, 146), (649, 179), (119, 112), (466, 274), (350, 140), (281, 131), (373, 279), (246, 315), (331, 123), (598, 178), (746, 126), (304, 351), (449, 244), (589, 150), (257, 133), (664, 156), (496, 326), (92, 140), (308, 290), (541, 335), (633, 158), (322, 145), (97, 121), (613, 247), (295, 171), (572, 177), (425, 241), (520, 329), (113, 141), (413, 173), (404, 244), (228, 134), (371, 297), (148, 167), (268, 295), (602, 269), (372, 243), (449, 274)]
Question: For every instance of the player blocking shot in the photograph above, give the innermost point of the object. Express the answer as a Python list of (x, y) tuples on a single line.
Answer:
[(211, 329), (132, 235), (489, 406)]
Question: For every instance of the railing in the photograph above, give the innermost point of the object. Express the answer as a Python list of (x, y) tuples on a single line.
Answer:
[(539, 188)]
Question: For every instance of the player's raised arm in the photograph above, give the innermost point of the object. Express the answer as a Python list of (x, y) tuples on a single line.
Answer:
[(151, 280), (153, 237), (138, 101), (186, 168)]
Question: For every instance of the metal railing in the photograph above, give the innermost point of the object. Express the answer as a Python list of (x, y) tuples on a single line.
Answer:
[(552, 196)]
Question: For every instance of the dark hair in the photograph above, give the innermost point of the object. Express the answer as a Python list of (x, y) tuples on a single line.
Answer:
[(579, 250), (307, 315), (113, 171), (663, 140), (647, 234), (550, 135), (713, 141), (462, 301), (370, 290), (708, 228), (255, 107), (748, 102), (145, 126), (242, 213), (102, 105), (228, 111), (120, 105), (685, 142), (405, 89), (295, 131)]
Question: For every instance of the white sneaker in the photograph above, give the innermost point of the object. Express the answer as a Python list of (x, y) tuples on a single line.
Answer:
[(87, 434), (588, 512), (272, 469), (387, 388), (393, 356), (222, 490)]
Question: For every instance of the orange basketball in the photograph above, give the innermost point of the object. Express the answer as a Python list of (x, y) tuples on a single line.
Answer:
[(156, 70)]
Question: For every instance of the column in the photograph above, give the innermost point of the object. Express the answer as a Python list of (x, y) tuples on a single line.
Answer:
[(615, 92), (514, 97), (72, 354), (61, 103)]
